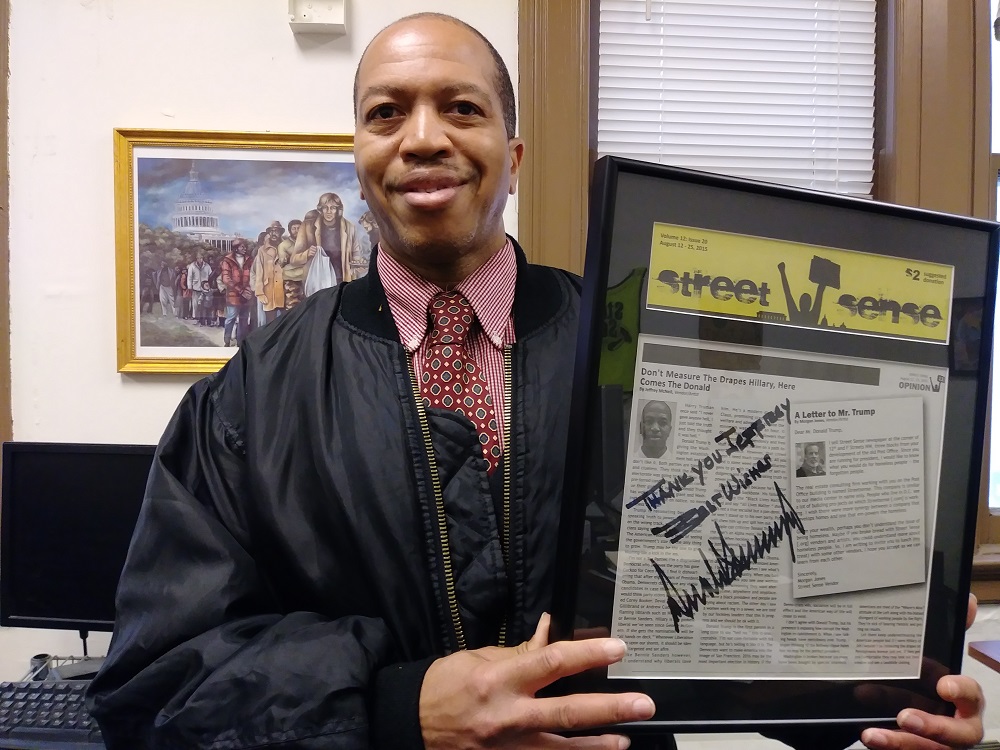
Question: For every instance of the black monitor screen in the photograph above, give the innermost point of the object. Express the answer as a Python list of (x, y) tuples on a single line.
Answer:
[(66, 518)]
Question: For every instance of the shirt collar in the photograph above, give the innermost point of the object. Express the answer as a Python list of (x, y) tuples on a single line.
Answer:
[(490, 291)]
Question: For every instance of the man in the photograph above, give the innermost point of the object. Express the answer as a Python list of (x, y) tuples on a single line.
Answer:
[(300, 577), (812, 464), (291, 276), (268, 282), (165, 282), (329, 261), (370, 225), (369, 240), (199, 275), (184, 301), (655, 423), (234, 278), (148, 293)]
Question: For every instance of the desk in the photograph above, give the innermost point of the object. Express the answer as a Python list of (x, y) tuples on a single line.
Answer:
[(987, 652)]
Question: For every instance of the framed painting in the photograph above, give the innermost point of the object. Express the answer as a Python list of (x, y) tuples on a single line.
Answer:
[(219, 233)]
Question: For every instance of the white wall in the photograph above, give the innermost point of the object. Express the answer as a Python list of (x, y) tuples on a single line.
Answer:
[(78, 69)]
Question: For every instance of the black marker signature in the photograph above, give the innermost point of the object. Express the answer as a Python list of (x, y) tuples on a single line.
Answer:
[(745, 438), (730, 563), (679, 527)]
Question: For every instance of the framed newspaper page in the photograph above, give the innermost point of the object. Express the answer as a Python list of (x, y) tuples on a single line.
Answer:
[(775, 448)]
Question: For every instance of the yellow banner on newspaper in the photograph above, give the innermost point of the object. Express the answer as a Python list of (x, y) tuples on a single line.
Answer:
[(774, 281)]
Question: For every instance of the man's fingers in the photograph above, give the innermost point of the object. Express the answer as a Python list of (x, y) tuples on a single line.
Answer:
[(935, 733), (583, 742), (890, 700), (541, 636), (970, 615), (585, 711), (538, 640), (950, 731), (541, 667), (967, 695), (894, 739), (925, 731)]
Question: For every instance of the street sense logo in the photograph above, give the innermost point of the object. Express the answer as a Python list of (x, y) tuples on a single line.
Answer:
[(802, 285), (825, 274)]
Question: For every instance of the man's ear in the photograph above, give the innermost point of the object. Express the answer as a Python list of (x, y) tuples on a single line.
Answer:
[(516, 147)]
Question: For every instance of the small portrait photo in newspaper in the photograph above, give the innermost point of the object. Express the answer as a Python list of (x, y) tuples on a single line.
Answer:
[(654, 429), (810, 459)]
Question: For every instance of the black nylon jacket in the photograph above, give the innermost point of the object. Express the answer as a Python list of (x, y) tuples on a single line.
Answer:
[(285, 584)]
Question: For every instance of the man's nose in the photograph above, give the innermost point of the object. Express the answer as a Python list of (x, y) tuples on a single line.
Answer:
[(425, 133)]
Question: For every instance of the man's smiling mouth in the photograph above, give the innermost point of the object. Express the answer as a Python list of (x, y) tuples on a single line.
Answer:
[(430, 191)]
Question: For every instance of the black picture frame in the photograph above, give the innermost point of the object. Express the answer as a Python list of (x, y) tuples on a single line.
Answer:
[(627, 198)]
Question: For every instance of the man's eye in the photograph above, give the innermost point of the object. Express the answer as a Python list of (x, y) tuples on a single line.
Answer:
[(382, 112), (465, 108)]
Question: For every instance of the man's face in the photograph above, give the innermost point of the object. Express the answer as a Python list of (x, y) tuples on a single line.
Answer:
[(655, 427), (274, 234), (331, 209), (432, 154), (812, 456), (293, 230)]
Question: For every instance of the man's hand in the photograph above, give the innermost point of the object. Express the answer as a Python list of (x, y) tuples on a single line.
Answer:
[(970, 613), (486, 698), (920, 730)]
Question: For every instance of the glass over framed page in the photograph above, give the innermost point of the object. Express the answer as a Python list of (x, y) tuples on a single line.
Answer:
[(775, 448)]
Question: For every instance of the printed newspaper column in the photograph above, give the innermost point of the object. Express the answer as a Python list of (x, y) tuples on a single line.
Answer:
[(706, 480), (860, 482)]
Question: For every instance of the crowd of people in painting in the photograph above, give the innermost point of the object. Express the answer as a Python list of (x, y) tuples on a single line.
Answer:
[(254, 283)]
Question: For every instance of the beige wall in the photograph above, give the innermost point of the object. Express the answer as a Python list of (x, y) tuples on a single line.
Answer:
[(77, 71)]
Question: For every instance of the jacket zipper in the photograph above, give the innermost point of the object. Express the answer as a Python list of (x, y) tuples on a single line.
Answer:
[(440, 516), (508, 410), (441, 519)]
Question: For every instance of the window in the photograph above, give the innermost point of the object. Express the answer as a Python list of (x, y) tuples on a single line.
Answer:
[(776, 90)]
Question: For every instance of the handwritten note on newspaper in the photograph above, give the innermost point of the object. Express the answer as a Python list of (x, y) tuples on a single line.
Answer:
[(776, 520)]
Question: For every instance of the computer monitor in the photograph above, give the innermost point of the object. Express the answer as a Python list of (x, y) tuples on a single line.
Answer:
[(67, 512)]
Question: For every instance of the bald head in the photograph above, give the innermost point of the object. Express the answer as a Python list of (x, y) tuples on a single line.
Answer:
[(501, 79)]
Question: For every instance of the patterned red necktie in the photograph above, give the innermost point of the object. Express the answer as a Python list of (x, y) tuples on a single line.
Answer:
[(451, 378)]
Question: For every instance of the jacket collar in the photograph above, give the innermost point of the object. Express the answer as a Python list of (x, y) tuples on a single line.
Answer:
[(538, 296)]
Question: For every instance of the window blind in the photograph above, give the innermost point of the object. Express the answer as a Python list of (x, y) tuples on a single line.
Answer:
[(776, 90)]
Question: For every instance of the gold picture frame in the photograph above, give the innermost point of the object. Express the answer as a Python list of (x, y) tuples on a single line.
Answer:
[(183, 194)]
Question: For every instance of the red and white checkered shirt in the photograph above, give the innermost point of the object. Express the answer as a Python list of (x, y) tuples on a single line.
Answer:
[(490, 291)]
